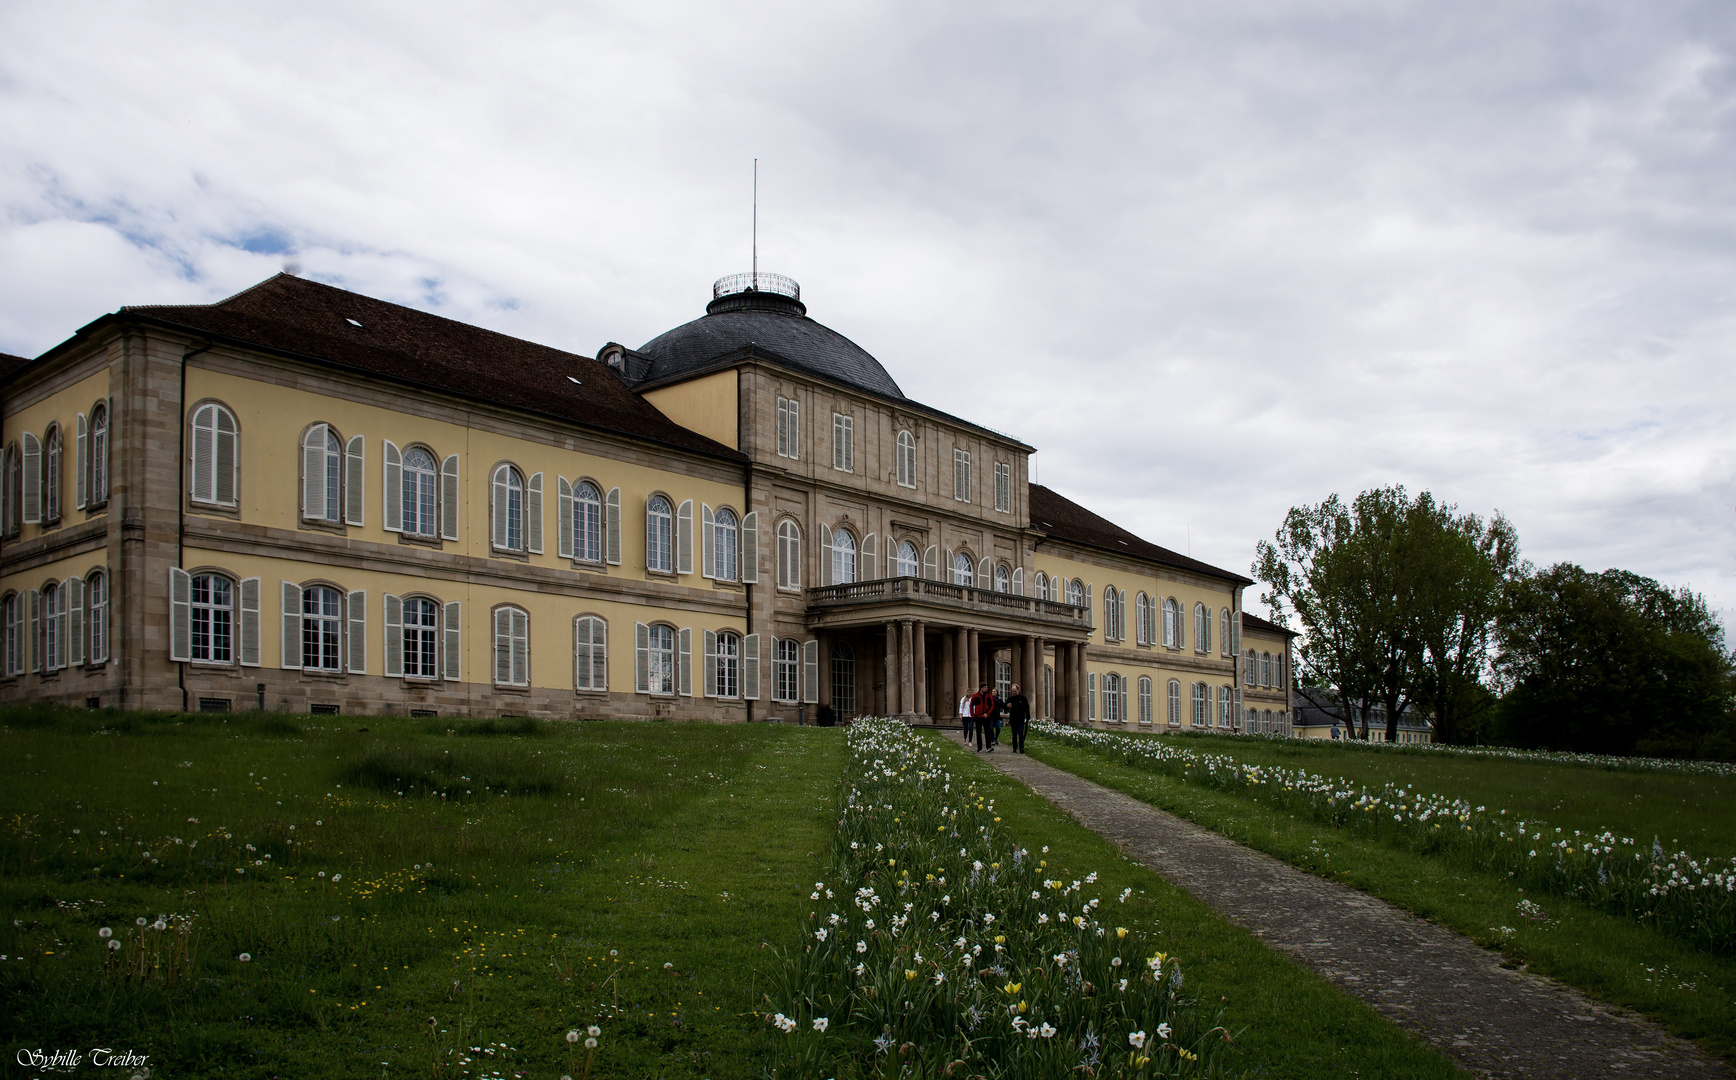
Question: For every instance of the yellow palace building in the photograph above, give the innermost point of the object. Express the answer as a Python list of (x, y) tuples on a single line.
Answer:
[(304, 499)]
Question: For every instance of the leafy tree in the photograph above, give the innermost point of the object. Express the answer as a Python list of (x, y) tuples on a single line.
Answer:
[(1397, 599), (1613, 663)]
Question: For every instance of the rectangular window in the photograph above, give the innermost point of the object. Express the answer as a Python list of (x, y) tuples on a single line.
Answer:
[(843, 443), (786, 669), (1003, 487), (789, 424), (961, 475)]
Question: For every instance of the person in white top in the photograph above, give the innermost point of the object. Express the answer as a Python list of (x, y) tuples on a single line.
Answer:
[(964, 716)]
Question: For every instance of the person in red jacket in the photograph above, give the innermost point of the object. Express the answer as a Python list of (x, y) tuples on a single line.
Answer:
[(982, 706)]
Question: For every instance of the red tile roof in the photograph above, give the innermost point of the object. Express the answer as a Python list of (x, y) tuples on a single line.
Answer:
[(305, 319)]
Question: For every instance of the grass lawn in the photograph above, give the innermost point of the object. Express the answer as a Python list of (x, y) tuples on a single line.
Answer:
[(1683, 810), (529, 880), (1691, 992), (1292, 1023)]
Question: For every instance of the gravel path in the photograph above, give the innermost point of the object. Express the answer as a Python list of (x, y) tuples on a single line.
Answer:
[(1452, 993)]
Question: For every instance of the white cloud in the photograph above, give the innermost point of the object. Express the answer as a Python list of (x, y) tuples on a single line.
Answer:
[(1214, 261)]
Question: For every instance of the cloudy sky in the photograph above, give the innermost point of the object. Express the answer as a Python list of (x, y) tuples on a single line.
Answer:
[(1214, 260)]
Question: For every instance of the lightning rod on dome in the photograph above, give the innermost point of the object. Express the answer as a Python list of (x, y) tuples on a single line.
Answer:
[(756, 224)]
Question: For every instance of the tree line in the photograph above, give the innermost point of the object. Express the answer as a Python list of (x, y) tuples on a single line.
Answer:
[(1407, 603)]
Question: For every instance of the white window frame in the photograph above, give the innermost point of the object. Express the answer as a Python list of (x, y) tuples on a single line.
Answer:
[(727, 666), (906, 459), (846, 564), (1200, 695), (511, 644), (661, 676), (789, 555), (911, 566), (1202, 628), (322, 468), (506, 526), (1003, 487), (588, 524), (53, 473), (960, 474), (419, 494), (786, 670), (725, 545), (313, 626), (963, 571), (789, 428), (1172, 695), (214, 617), (660, 534), (1145, 699), (590, 653), (213, 428), (843, 442)]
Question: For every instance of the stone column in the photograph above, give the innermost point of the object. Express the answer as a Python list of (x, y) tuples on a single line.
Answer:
[(975, 667), (906, 668), (1032, 663), (1040, 649), (948, 706), (1081, 685), (823, 672), (919, 672), (961, 664), (892, 702), (1066, 693), (1016, 663)]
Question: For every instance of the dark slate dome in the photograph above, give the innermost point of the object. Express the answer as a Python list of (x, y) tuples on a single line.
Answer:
[(766, 312)]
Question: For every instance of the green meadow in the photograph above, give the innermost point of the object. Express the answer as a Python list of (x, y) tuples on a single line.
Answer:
[(1688, 990), (402, 897)]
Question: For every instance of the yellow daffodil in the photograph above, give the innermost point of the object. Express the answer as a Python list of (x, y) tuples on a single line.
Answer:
[(1121, 931)]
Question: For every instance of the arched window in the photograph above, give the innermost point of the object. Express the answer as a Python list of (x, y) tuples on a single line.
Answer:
[(590, 653), (421, 635), (53, 627), (1112, 699), (322, 470), (213, 614), (1226, 705), (1202, 628), (212, 460), (1249, 660), (843, 557), (1169, 621), (322, 609), (906, 459), (789, 556), (511, 647), (587, 523), (909, 562), (1201, 710), (97, 479), (1175, 703), (1076, 593), (417, 499), (1225, 643), (727, 676), (1003, 578), (51, 475), (96, 600), (962, 571), (724, 536), (786, 669), (12, 624), (1111, 613), (844, 678), (1265, 669), (1042, 585), (508, 509), (1141, 613), (660, 659), (659, 535), (1145, 699)]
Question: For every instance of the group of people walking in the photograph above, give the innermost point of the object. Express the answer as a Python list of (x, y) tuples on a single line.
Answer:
[(981, 714)]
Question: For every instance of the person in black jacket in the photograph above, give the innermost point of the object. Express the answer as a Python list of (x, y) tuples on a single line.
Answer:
[(1018, 716)]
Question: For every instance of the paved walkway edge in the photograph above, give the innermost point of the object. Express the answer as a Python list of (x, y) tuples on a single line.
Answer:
[(1452, 993)]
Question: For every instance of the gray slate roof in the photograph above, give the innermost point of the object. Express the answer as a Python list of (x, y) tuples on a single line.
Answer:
[(773, 326)]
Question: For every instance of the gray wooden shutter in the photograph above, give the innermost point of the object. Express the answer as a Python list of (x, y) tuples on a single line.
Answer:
[(641, 658), (750, 667), (533, 525), (81, 487), (1090, 612), (1091, 696), (520, 648), (931, 563), (985, 574), (710, 687), (394, 636), (180, 614), (684, 663), (750, 549), (249, 623), (1121, 615), (451, 659), (1181, 617), (684, 538), (498, 502), (355, 458), (869, 571), (392, 508), (291, 625), (75, 621), (810, 671), (707, 541), (502, 646), (1019, 580), (358, 605), (564, 517), (225, 452), (313, 472), (825, 554), (32, 480), (36, 629), (612, 525), (449, 498)]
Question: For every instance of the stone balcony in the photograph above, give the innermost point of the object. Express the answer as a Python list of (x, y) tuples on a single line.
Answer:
[(939, 603)]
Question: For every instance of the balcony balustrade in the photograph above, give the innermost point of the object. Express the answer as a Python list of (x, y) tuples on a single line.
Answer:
[(962, 599)]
